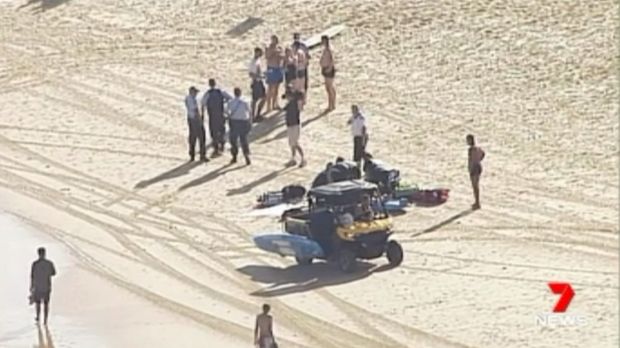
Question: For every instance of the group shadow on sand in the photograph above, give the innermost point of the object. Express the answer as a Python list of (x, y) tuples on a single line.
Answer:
[(42, 5), (302, 278)]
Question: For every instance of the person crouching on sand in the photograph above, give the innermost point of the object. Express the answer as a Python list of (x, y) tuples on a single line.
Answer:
[(293, 126), (475, 155), (275, 74), (328, 70)]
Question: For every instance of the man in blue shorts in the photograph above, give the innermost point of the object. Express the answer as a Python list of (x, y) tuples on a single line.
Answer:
[(275, 73)]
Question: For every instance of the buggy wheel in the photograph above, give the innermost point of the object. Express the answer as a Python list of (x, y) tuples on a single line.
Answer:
[(303, 261), (347, 260), (394, 253)]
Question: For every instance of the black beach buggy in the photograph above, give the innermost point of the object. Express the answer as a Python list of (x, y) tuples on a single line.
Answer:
[(329, 220)]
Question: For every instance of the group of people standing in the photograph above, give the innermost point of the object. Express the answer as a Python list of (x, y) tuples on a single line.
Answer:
[(289, 66)]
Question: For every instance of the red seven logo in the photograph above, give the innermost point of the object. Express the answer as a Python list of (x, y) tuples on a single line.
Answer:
[(566, 295)]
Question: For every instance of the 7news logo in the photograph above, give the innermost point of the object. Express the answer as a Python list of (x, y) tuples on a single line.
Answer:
[(559, 317)]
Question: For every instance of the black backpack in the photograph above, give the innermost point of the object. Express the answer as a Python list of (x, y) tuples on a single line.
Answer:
[(215, 101)]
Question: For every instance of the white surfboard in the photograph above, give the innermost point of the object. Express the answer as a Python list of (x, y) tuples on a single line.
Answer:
[(315, 40)]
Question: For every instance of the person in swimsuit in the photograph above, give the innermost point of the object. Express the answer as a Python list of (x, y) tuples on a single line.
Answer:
[(299, 45), (256, 85), (263, 330), (328, 70), (290, 72), (301, 64), (475, 155), (275, 73)]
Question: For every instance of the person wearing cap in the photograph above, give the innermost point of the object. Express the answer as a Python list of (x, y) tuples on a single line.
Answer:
[(359, 132), (240, 124), (196, 126), (214, 101)]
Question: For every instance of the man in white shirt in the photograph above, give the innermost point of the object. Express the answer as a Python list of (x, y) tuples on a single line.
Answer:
[(196, 126), (360, 135), (258, 88), (240, 123)]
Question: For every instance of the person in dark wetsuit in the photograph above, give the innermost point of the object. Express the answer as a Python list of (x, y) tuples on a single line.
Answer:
[(475, 155)]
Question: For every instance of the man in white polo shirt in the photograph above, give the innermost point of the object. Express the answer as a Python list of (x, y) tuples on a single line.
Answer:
[(196, 126), (360, 135), (240, 124)]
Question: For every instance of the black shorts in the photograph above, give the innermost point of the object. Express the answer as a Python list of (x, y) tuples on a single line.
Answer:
[(328, 73), (41, 296), (258, 90), (475, 170), (359, 147)]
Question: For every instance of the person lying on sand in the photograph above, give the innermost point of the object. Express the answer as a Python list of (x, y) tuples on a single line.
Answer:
[(475, 155)]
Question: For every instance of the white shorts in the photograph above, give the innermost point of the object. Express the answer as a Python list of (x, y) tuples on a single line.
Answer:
[(293, 133)]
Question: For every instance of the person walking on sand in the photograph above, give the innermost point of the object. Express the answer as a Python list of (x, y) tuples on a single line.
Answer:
[(293, 126), (328, 70), (196, 126), (240, 124), (213, 101), (275, 73), (360, 134), (256, 85), (263, 329), (41, 275), (475, 155)]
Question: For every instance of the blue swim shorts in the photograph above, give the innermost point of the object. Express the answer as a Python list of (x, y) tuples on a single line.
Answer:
[(274, 75)]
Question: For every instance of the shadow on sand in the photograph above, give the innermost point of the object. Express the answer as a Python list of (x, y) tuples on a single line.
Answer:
[(175, 172), (42, 5), (227, 168), (47, 342), (444, 223), (302, 278), (255, 183), (282, 134)]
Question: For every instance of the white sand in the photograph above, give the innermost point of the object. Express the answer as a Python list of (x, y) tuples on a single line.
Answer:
[(91, 95)]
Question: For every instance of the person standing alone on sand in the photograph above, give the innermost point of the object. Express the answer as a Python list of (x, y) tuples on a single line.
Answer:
[(293, 126), (196, 126), (263, 330), (256, 85), (41, 275), (328, 70), (240, 124), (275, 73), (214, 100), (475, 155), (360, 135)]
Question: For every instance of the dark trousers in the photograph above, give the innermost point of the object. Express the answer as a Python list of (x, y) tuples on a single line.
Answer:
[(196, 132), (217, 130), (238, 132), (359, 147)]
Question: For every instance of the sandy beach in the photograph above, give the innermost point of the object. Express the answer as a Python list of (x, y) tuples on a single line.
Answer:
[(157, 252)]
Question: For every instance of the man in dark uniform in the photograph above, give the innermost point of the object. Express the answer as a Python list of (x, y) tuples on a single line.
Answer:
[(214, 100)]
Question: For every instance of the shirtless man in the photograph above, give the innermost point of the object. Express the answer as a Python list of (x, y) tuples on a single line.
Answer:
[(475, 155), (328, 70), (263, 330), (275, 73), (302, 59)]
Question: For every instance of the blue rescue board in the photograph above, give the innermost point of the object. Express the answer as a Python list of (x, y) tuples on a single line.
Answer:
[(289, 245)]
